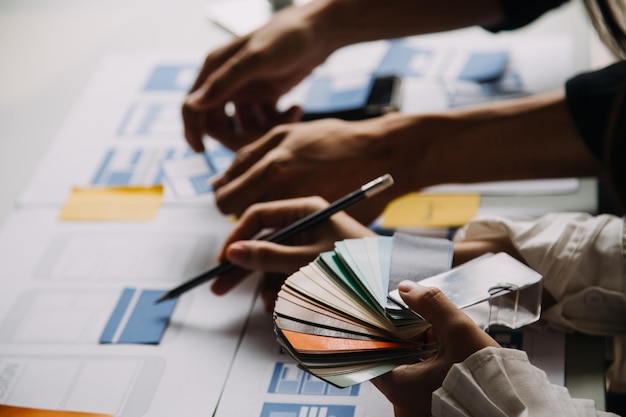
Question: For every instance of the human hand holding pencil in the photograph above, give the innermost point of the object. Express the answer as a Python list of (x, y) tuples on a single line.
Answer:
[(295, 219)]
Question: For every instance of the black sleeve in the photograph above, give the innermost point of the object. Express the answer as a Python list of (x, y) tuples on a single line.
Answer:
[(518, 13), (591, 98)]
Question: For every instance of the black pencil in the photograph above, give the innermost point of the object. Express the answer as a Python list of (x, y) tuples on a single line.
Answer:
[(366, 191)]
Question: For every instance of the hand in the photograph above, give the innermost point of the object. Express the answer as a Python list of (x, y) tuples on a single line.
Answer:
[(253, 72), (278, 260), (329, 158), (410, 387)]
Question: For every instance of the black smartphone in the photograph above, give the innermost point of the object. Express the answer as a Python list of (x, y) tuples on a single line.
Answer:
[(383, 97)]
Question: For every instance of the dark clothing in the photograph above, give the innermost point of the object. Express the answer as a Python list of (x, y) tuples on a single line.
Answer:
[(596, 100), (591, 98), (518, 13)]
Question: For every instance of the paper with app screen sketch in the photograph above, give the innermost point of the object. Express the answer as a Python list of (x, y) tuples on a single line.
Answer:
[(190, 175), (61, 283)]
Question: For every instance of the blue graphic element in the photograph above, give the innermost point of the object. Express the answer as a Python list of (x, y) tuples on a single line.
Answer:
[(308, 410), (398, 58), (126, 120), (116, 317), (119, 168), (482, 67), (152, 115), (171, 78), (287, 378), (168, 155), (147, 321), (201, 183), (323, 96), (106, 176), (220, 158)]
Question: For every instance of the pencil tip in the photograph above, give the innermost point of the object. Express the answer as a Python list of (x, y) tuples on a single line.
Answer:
[(162, 298)]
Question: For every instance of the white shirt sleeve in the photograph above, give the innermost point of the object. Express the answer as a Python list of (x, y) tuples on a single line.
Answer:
[(581, 258), (496, 382)]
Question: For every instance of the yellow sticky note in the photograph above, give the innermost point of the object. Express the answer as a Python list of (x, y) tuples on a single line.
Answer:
[(116, 203), (431, 210), (9, 411)]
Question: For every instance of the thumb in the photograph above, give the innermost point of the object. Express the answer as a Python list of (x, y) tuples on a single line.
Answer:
[(225, 81), (430, 303)]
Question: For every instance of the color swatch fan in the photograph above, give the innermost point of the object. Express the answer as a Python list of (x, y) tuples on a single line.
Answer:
[(341, 320)]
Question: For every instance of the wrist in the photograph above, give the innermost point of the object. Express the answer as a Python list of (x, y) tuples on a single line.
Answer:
[(527, 138), (417, 149), (351, 21), (328, 19)]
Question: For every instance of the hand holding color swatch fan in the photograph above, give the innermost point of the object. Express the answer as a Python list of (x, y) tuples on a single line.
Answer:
[(341, 318)]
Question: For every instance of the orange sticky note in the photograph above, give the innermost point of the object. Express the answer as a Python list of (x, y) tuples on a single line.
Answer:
[(116, 203), (431, 210), (10, 411)]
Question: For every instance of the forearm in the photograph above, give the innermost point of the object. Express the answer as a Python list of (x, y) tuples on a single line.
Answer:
[(520, 139), (581, 258), (345, 22), (497, 381), (467, 250)]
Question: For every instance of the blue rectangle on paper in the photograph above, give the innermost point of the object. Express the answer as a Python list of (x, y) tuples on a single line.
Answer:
[(397, 60), (287, 378), (106, 175), (116, 317), (220, 158), (323, 96), (99, 177), (151, 117), (309, 410), (168, 78), (147, 321), (119, 179), (200, 183), (482, 67)]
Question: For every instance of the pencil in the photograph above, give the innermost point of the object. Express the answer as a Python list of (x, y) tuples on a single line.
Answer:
[(371, 188)]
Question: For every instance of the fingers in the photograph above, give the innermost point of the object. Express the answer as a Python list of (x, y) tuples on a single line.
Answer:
[(204, 112), (193, 128), (409, 387), (193, 120), (226, 282), (271, 215), (430, 303), (246, 157), (268, 179), (449, 323), (262, 255), (250, 117), (270, 257), (216, 63), (240, 69)]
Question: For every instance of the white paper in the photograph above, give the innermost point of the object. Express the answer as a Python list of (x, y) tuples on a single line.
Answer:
[(125, 126), (278, 386), (58, 282)]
